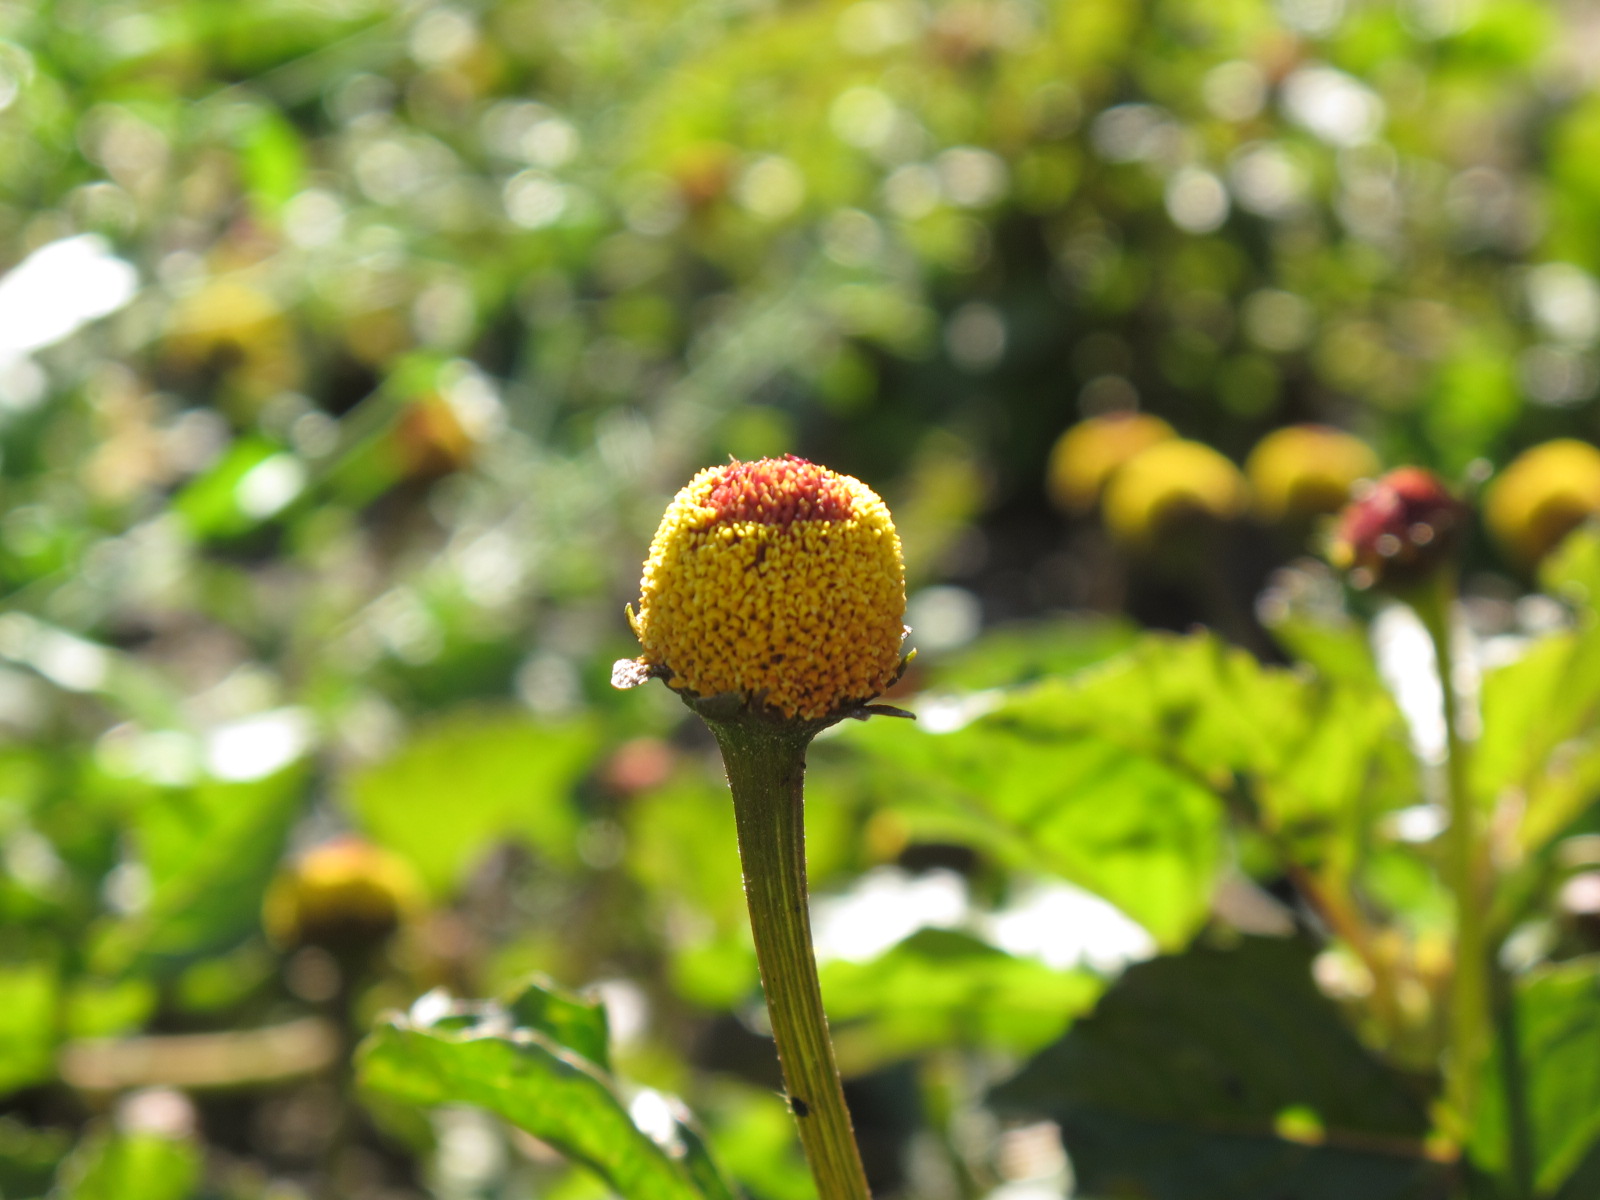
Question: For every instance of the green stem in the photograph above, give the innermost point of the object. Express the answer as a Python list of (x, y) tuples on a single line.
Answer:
[(1469, 993), (766, 773), (1513, 1080)]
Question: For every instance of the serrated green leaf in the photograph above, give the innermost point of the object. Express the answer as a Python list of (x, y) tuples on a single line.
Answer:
[(1118, 778), (566, 1018), (1310, 747), (1127, 828)]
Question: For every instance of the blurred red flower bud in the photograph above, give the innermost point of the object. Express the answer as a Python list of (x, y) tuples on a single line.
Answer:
[(1399, 530)]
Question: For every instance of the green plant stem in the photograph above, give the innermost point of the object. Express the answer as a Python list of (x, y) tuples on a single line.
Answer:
[(766, 773), (1469, 989), (1513, 1081)]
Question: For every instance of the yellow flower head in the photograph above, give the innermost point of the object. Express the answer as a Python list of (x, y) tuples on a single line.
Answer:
[(1543, 495), (777, 580), (1304, 471), (1159, 492), (344, 892), (1085, 457)]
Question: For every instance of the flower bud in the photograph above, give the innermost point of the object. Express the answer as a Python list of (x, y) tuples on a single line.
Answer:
[(343, 894), (1169, 487), (1543, 495), (1399, 531), (1305, 471), (1087, 455), (778, 582), (430, 441)]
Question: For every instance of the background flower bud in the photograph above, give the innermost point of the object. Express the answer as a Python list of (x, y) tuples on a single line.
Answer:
[(1544, 494), (1169, 486), (1399, 531), (342, 894), (1088, 454), (1304, 471)]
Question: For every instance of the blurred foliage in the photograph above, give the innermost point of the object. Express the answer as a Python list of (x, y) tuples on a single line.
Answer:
[(348, 354)]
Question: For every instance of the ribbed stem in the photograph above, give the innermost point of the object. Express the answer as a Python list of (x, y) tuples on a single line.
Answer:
[(766, 772)]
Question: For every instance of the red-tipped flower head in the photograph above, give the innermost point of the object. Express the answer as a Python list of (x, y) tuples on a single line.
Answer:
[(1398, 531), (779, 581)]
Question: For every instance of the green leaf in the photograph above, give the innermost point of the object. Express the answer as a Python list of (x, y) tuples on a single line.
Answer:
[(683, 851), (753, 1131), (210, 505), (210, 851), (1572, 570), (272, 159), (474, 1055), (566, 1018), (469, 780), (29, 995), (1118, 778), (1541, 734), (125, 1165), (1558, 1039), (29, 1157), (102, 1007), (1316, 751), (942, 988), (1332, 645), (1224, 1074), (1143, 836), (1024, 652)]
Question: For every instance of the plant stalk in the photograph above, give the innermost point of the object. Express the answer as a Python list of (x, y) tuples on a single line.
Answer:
[(1469, 989), (766, 773)]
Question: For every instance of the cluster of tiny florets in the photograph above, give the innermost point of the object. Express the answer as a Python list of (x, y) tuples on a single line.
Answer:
[(778, 580)]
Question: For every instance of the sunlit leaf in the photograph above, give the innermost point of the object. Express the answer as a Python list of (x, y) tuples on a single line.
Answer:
[(944, 988), (1109, 819), (1023, 653), (29, 994), (469, 780), (570, 1020), (122, 1165), (1541, 733), (476, 1056)]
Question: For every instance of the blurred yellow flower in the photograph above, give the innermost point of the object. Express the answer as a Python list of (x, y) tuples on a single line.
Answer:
[(777, 580), (1304, 471), (343, 893), (1543, 495), (233, 329), (1167, 486), (1087, 455)]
